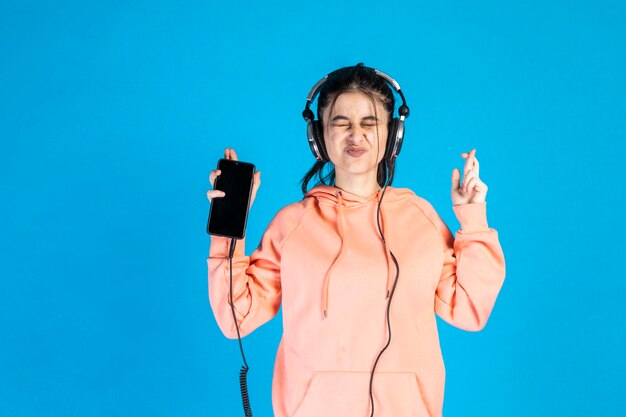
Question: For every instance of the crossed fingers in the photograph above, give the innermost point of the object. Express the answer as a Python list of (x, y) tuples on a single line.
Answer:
[(470, 171)]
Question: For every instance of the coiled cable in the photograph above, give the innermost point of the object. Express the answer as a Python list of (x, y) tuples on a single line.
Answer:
[(243, 373)]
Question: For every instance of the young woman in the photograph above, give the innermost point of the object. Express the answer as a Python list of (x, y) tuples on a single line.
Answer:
[(355, 260)]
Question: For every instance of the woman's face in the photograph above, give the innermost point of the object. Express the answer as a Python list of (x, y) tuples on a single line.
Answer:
[(354, 136)]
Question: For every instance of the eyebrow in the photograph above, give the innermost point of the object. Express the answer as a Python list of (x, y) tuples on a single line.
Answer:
[(339, 117)]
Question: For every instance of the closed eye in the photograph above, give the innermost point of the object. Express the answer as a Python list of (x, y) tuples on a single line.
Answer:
[(370, 124)]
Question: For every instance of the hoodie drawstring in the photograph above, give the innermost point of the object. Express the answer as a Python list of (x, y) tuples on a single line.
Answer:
[(332, 266), (387, 250), (341, 235)]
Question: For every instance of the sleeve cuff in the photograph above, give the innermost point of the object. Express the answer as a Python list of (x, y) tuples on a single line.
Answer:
[(472, 216)]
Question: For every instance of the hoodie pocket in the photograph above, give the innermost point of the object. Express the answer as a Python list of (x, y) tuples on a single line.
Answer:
[(346, 394)]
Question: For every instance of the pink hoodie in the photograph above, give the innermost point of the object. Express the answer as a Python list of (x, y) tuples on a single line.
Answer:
[(324, 260)]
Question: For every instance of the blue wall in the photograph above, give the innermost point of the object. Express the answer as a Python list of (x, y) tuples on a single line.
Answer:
[(112, 115)]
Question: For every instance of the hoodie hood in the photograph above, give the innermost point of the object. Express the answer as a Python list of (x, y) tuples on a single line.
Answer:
[(341, 199), (330, 194)]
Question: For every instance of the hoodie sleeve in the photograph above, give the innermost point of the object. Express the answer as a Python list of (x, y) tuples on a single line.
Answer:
[(473, 269), (256, 280)]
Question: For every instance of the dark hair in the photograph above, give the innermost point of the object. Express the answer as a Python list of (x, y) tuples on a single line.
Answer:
[(357, 78)]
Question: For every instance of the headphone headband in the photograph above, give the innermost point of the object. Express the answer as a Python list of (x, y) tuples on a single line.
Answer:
[(315, 91)]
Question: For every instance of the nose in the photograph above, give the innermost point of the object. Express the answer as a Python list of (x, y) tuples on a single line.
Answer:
[(357, 135)]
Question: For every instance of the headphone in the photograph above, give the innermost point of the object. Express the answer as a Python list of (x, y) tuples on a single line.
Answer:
[(315, 130)]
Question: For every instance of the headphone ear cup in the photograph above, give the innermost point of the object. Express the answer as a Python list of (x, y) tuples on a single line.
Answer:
[(319, 140), (399, 137), (316, 140), (394, 139)]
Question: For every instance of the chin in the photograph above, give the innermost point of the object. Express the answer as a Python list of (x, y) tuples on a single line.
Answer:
[(361, 169)]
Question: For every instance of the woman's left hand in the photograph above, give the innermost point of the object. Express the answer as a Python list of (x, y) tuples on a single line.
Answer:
[(472, 189)]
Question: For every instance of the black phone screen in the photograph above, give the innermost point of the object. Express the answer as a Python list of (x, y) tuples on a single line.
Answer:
[(228, 214)]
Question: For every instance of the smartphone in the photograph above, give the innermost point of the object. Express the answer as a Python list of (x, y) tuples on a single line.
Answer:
[(228, 214)]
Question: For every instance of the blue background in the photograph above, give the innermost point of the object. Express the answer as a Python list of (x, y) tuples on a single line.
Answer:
[(112, 115)]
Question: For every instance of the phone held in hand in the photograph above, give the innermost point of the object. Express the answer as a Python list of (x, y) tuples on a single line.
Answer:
[(228, 214)]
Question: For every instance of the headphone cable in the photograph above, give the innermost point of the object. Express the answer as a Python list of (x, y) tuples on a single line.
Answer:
[(393, 289), (243, 382)]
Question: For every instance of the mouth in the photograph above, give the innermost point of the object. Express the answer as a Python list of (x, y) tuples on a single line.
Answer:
[(355, 152)]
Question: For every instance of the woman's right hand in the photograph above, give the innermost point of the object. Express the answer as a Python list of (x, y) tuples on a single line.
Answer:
[(229, 153)]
